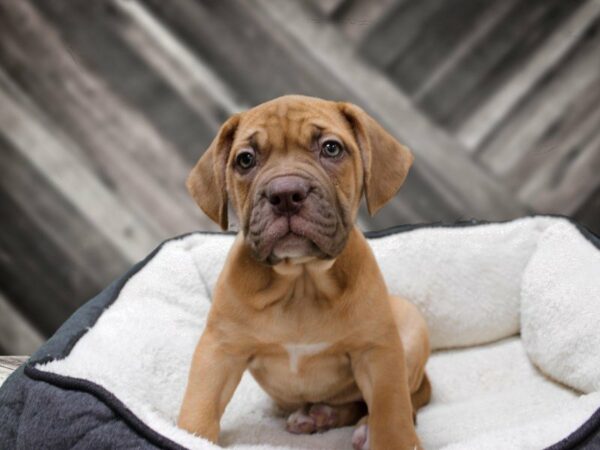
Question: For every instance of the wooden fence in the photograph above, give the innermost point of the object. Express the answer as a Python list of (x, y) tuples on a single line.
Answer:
[(106, 104)]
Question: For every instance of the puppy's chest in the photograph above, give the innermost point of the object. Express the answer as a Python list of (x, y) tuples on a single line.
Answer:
[(299, 371)]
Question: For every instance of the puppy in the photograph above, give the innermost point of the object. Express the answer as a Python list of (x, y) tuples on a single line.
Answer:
[(301, 302)]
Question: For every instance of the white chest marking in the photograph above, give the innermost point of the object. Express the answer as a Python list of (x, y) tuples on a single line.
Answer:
[(297, 351)]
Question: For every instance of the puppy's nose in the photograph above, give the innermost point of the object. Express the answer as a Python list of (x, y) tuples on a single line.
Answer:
[(287, 193)]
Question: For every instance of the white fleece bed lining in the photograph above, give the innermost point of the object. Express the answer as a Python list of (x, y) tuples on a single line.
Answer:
[(477, 286)]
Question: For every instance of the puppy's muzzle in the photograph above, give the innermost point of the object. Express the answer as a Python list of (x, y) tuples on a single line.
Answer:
[(287, 194), (295, 215)]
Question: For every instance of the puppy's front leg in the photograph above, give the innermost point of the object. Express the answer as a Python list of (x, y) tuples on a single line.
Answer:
[(380, 373), (213, 377)]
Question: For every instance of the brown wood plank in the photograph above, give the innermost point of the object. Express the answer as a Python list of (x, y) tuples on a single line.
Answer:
[(500, 54), (118, 141)]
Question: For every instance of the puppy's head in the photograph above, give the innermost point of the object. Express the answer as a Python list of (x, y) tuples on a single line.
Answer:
[(294, 170)]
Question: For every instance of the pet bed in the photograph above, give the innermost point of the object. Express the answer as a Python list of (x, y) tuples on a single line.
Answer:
[(513, 310)]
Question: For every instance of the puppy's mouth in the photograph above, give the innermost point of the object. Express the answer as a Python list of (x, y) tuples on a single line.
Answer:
[(294, 246), (288, 237), (316, 230)]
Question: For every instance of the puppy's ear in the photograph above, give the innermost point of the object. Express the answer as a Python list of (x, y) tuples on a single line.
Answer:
[(206, 182), (386, 162)]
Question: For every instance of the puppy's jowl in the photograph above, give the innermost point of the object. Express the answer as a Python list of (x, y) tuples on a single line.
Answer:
[(301, 302)]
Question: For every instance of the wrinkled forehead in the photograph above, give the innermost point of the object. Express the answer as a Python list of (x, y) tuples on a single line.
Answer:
[(284, 123)]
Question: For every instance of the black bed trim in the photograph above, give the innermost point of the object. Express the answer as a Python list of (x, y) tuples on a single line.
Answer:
[(579, 436), (109, 399)]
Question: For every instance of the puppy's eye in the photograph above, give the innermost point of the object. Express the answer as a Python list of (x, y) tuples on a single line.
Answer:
[(331, 149), (245, 160)]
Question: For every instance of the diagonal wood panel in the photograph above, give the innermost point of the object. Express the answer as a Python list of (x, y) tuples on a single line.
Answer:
[(461, 181), (482, 122), (105, 105)]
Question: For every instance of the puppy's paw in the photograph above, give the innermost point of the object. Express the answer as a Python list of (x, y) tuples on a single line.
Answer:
[(325, 416), (360, 437), (300, 423)]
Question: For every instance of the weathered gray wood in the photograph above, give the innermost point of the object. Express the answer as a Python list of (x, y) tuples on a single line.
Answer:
[(8, 364), (460, 182), (100, 36), (436, 38), (193, 79), (589, 212), (483, 120), (484, 24), (397, 30), (39, 278), (117, 139), (516, 147), (498, 55), (566, 182), (17, 336), (105, 105), (263, 67), (561, 172), (66, 173), (356, 19), (56, 219), (329, 7)]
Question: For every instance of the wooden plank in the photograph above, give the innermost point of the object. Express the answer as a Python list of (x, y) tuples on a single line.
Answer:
[(265, 50), (513, 152), (437, 36), (55, 218), (396, 31), (329, 7), (74, 180), (117, 140), (565, 183), (552, 177), (181, 13), (36, 273), (264, 67), (192, 78), (496, 57), (358, 17), (8, 364), (17, 336), (483, 120), (589, 213), (485, 23), (444, 165), (98, 37)]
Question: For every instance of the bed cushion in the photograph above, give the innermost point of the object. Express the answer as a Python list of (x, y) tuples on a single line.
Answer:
[(512, 308)]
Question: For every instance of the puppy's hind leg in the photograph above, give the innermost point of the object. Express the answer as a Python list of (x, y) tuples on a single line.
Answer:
[(320, 417), (421, 396)]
